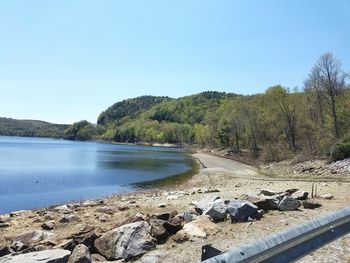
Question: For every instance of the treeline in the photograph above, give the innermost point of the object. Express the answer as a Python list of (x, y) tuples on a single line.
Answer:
[(31, 128), (273, 125)]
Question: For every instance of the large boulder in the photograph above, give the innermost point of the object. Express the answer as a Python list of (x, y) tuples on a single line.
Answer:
[(241, 210), (265, 203), (127, 241), (80, 254), (205, 203), (45, 256), (288, 204), (217, 210)]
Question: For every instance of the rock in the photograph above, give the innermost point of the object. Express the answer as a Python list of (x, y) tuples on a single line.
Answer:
[(127, 241), (201, 227), (265, 203), (86, 236), (153, 257), (174, 225), (5, 251), (74, 205), (205, 202), (187, 216), (211, 190), (69, 219), (4, 225), (165, 216), (98, 258), (66, 244), (180, 237), (5, 218), (162, 205), (48, 225), (288, 204), (300, 195), (258, 215), (80, 254), (158, 230), (45, 256), (217, 211), (291, 191), (106, 210), (33, 237), (311, 205), (327, 196), (19, 213), (268, 192), (240, 210), (62, 209), (91, 203), (123, 207)]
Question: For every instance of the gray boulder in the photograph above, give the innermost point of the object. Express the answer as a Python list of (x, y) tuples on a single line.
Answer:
[(266, 203), (205, 203), (289, 204), (217, 211), (241, 210), (45, 256), (300, 195), (80, 254), (127, 241)]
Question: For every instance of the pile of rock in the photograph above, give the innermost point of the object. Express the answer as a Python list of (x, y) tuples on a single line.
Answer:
[(218, 209), (140, 233)]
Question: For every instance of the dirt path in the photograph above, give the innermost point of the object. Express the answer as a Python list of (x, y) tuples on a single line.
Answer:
[(230, 166)]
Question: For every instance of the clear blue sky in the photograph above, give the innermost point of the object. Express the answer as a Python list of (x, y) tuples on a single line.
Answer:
[(64, 61)]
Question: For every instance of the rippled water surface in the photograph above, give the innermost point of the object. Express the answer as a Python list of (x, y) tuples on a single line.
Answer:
[(36, 172)]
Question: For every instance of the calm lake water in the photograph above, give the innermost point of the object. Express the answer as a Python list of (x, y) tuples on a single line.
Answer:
[(37, 172)]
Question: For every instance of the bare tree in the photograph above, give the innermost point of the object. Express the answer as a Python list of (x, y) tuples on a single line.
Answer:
[(279, 96), (312, 85), (331, 80)]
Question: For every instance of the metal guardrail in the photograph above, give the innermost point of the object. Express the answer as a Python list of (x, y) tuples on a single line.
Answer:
[(291, 244)]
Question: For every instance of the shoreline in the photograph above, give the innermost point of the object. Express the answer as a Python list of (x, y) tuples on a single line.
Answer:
[(106, 214)]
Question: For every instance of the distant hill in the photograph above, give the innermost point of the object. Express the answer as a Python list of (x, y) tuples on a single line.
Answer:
[(31, 128), (129, 108), (160, 119)]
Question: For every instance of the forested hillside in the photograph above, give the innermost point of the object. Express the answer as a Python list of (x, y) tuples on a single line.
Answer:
[(129, 108), (276, 124), (31, 128)]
